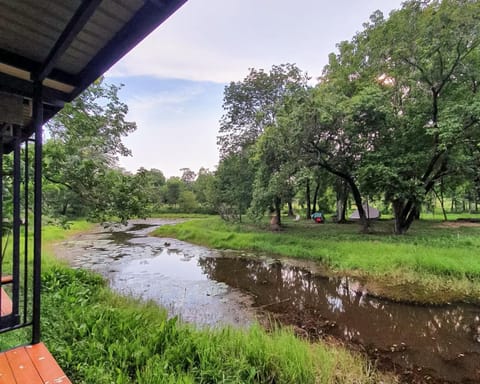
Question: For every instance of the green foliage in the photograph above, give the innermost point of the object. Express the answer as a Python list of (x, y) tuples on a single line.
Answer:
[(424, 57), (232, 191), (275, 169), (188, 177), (251, 113), (205, 188), (187, 201), (395, 113), (151, 182), (84, 142), (173, 189), (251, 105), (122, 196)]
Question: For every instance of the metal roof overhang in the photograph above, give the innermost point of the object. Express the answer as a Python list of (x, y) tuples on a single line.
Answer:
[(66, 45)]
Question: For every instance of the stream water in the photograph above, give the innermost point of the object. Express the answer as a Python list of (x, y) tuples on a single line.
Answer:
[(207, 287)]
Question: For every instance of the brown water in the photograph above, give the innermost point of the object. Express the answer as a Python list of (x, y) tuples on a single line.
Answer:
[(441, 342), (431, 344)]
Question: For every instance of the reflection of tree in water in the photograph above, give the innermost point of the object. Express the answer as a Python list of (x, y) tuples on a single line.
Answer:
[(437, 337)]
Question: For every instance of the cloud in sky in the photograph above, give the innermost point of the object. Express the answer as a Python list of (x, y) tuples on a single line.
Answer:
[(177, 123), (208, 42), (218, 40)]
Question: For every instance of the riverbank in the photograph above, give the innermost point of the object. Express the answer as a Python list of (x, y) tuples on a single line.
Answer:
[(100, 337), (434, 263)]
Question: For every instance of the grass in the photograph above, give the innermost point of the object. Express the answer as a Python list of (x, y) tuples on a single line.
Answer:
[(433, 263), (181, 215), (100, 337)]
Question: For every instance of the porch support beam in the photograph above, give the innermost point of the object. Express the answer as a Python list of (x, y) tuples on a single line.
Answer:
[(37, 117)]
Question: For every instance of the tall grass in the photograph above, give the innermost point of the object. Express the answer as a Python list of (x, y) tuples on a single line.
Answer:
[(431, 256)]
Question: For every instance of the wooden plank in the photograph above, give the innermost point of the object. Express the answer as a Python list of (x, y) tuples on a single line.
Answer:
[(6, 375), (22, 367), (6, 303), (47, 367), (7, 279)]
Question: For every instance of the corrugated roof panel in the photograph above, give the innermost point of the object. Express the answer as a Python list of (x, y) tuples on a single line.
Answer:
[(19, 43), (76, 57), (59, 10), (116, 10), (104, 24), (17, 37), (131, 5), (33, 25)]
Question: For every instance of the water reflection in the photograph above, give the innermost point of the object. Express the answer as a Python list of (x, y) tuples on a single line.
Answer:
[(436, 338)]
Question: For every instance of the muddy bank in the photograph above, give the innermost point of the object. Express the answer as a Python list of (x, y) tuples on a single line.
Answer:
[(423, 343)]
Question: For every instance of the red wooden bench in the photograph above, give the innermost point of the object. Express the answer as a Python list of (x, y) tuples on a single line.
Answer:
[(31, 364)]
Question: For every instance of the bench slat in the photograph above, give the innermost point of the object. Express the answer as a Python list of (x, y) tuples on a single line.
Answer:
[(6, 375), (47, 367), (22, 366)]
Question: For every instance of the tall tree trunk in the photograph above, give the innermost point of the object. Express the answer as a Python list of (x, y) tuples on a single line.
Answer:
[(278, 208), (290, 209), (405, 212), (342, 197), (307, 198), (442, 203), (355, 192), (364, 222), (315, 197), (64, 208)]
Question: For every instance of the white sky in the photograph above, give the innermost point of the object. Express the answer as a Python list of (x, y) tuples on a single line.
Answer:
[(174, 79)]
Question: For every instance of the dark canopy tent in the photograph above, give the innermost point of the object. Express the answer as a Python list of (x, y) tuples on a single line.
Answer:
[(50, 51)]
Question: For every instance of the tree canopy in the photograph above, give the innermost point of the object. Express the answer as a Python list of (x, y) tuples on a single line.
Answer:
[(394, 114)]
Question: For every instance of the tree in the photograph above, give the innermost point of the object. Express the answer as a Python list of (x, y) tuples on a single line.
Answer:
[(334, 126), (251, 109), (232, 189), (152, 182), (398, 106), (84, 142), (122, 196), (188, 177), (187, 201), (174, 187), (204, 188), (426, 59), (251, 105), (274, 182)]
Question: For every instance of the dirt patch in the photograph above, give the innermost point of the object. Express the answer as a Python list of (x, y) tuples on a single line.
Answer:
[(66, 250), (459, 224)]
